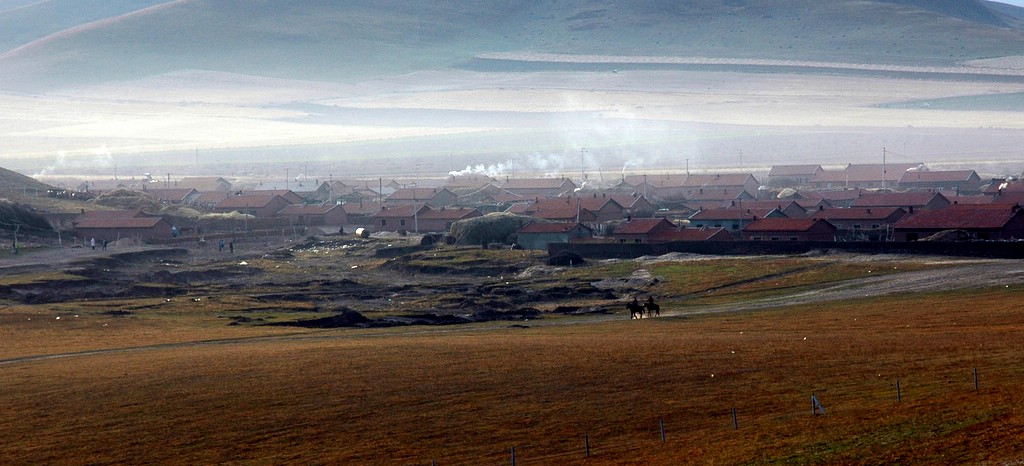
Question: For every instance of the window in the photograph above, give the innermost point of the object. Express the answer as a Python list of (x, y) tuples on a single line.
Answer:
[(794, 238), (856, 226), (383, 222), (874, 226), (401, 222), (774, 238)]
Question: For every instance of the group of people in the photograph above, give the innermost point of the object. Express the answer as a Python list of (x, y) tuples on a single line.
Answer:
[(636, 310), (92, 244)]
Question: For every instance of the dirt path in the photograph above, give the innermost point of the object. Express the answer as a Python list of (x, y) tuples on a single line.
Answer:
[(961, 274)]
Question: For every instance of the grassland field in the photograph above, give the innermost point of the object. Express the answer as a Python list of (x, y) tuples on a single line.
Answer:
[(181, 380)]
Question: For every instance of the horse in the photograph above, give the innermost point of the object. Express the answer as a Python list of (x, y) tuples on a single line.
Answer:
[(636, 310), (652, 309)]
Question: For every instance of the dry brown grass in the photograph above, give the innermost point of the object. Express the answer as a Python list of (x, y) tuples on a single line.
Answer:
[(466, 396)]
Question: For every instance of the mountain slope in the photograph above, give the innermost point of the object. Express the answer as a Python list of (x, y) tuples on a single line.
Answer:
[(23, 21), (328, 40)]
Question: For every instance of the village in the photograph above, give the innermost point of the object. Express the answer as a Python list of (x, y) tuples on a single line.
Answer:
[(859, 203)]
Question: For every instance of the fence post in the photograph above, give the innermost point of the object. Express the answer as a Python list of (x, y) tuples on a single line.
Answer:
[(735, 422), (899, 395), (586, 443), (662, 425), (513, 456), (975, 379)]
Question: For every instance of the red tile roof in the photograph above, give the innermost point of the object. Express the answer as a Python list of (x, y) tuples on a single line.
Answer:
[(873, 199), (782, 224), (640, 226), (857, 213), (138, 222), (730, 214), (959, 219), (937, 176)]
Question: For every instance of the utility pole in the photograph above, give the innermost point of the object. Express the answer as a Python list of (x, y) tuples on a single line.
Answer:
[(883, 168), (583, 174)]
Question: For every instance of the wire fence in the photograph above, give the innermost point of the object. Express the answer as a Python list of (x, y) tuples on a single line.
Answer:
[(658, 434)]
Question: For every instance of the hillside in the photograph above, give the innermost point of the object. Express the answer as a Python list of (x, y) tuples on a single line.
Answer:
[(16, 185), (325, 40)]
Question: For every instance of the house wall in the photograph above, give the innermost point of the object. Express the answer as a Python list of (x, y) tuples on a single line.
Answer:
[(540, 241)]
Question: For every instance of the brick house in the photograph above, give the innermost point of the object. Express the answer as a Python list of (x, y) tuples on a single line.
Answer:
[(642, 230), (434, 197), (539, 187), (789, 229), (733, 220), (998, 222), (112, 229), (862, 223), (793, 175), (909, 201), (257, 205), (315, 215), (959, 181)]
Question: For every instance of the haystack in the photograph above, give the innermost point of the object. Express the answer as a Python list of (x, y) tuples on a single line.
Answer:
[(128, 200), (491, 228)]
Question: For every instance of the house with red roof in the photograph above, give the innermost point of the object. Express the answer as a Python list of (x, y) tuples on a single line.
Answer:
[(788, 207), (793, 175), (642, 230), (398, 218), (539, 187), (113, 229), (727, 186), (434, 197), (789, 229), (959, 181), (537, 235), (987, 224), (257, 205), (733, 220), (868, 175), (862, 223), (315, 215), (287, 194), (909, 200), (603, 208), (655, 186)]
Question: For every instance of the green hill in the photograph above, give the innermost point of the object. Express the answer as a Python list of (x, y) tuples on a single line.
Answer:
[(356, 39)]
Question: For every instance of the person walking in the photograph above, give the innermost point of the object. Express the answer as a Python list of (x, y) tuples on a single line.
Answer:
[(92, 243)]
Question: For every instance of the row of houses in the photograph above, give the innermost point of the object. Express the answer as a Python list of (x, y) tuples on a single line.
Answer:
[(991, 223)]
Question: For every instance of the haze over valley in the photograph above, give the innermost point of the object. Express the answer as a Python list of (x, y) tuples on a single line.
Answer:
[(107, 89)]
